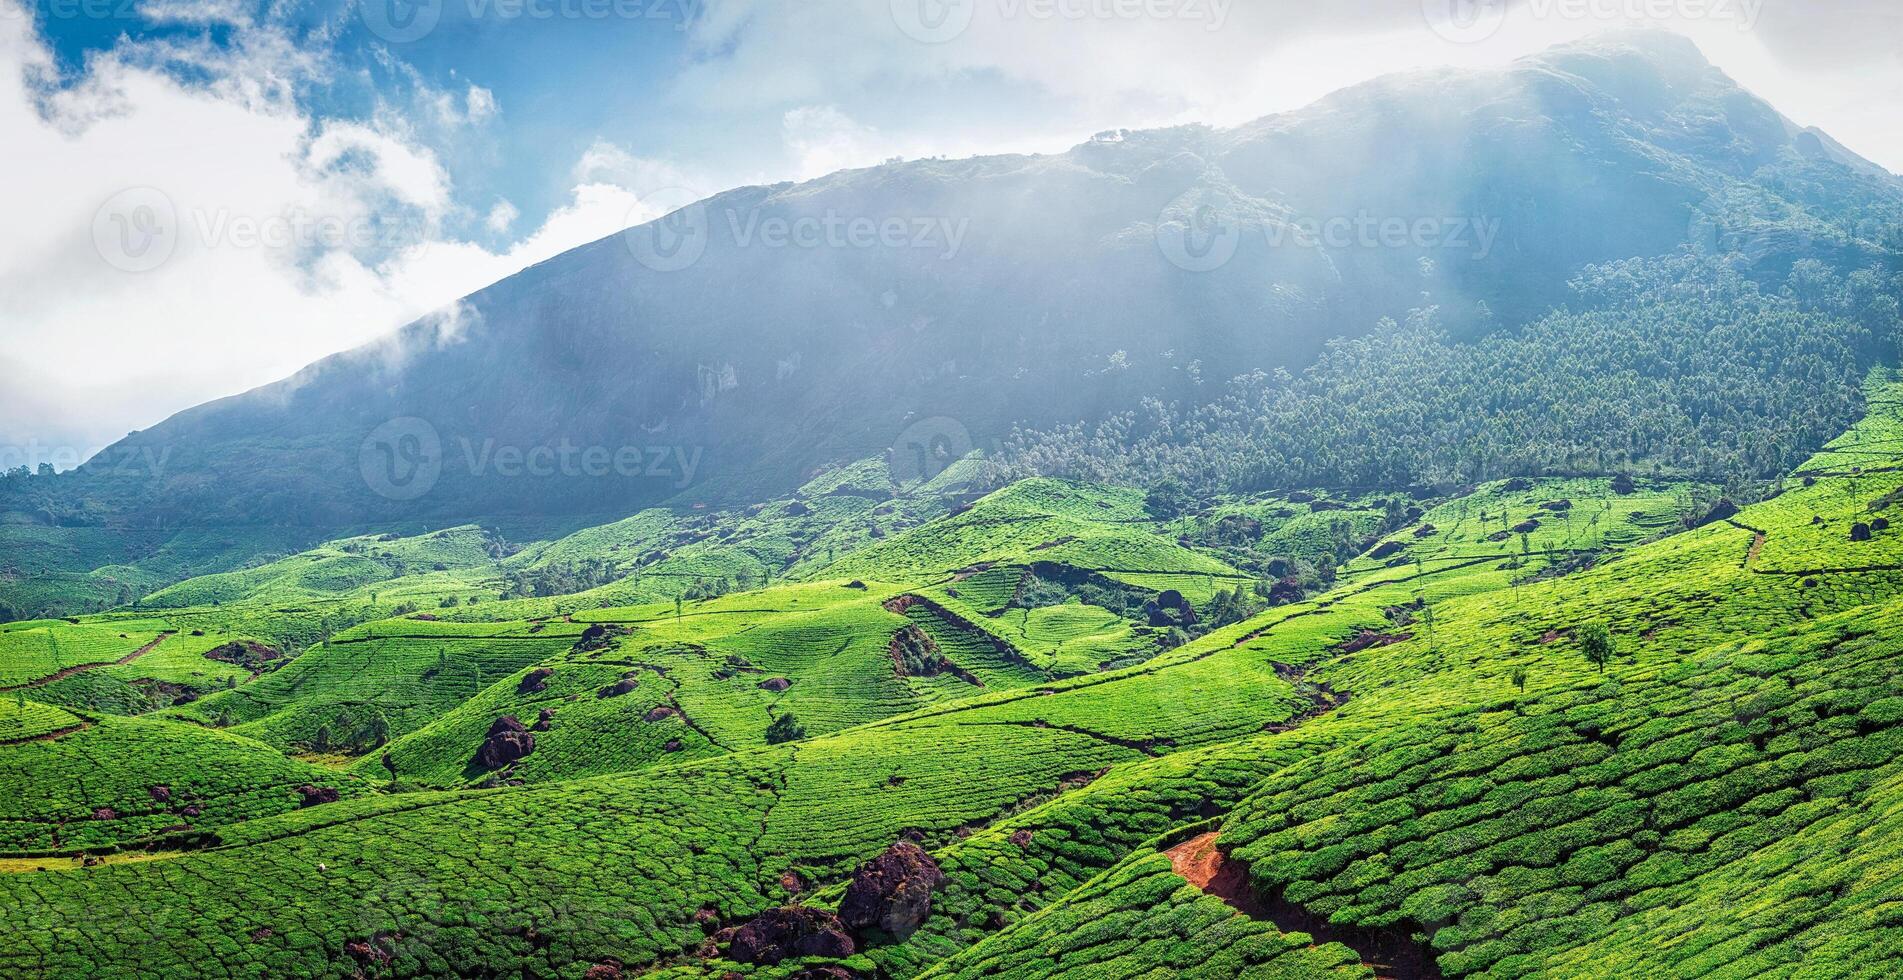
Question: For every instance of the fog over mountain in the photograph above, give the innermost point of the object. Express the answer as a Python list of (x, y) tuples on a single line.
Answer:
[(741, 343)]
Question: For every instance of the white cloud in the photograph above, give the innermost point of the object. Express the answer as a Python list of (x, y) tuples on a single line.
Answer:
[(823, 139), (1045, 74), (479, 104), (380, 162), (281, 227), (606, 163), (195, 11), (501, 217)]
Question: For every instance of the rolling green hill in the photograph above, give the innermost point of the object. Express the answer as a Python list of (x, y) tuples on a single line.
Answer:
[(1423, 763)]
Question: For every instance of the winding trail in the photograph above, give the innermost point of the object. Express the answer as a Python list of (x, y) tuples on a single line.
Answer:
[(1758, 537), (82, 668), (56, 733)]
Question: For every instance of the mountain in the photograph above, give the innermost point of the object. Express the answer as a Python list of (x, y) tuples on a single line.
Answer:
[(733, 348)]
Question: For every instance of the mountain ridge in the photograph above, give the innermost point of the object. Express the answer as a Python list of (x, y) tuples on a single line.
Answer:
[(1066, 297)]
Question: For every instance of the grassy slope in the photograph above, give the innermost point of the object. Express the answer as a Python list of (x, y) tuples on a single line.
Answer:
[(92, 785), (1720, 798)]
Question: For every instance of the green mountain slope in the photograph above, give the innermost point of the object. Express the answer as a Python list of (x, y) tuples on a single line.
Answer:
[(1421, 762)]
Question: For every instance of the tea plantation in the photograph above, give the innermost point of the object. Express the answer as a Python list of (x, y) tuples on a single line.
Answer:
[(1560, 726)]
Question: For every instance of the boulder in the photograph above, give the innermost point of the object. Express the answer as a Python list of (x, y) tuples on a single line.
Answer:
[(1369, 638), (618, 688), (1859, 531), (160, 793), (1285, 591), (536, 680), (244, 653), (507, 742), (892, 892), (309, 795), (1387, 549), (605, 970), (775, 684), (790, 932), (660, 712), (543, 721), (1622, 485), (506, 723), (105, 813), (599, 636)]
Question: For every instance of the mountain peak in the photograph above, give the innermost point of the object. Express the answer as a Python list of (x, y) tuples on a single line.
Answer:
[(1005, 291), (1651, 43)]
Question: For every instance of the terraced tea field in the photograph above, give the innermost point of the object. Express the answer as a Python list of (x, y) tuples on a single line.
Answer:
[(1569, 727)]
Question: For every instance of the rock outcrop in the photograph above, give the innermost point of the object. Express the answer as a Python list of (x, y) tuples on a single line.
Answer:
[(892, 892), (535, 681), (790, 932), (507, 742), (309, 795)]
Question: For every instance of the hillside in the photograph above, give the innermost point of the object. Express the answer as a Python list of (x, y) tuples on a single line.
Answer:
[(1058, 305), (1419, 765)]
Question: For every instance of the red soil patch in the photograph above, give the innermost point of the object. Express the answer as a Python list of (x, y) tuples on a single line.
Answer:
[(1201, 863), (1391, 954)]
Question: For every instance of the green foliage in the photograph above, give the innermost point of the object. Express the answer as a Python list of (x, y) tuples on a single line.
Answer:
[(1595, 641), (784, 728), (1625, 382)]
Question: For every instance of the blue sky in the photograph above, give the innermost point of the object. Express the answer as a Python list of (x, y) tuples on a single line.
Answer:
[(330, 170)]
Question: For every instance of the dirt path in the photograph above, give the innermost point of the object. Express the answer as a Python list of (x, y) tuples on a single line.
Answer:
[(1321, 698), (82, 668), (1757, 543), (47, 736)]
